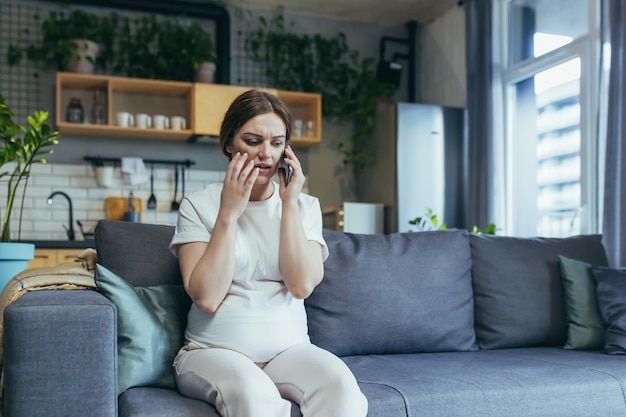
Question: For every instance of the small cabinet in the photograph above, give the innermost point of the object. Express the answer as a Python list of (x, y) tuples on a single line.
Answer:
[(121, 94), (210, 102), (51, 257)]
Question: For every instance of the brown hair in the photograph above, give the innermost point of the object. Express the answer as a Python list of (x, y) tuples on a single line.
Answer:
[(248, 105)]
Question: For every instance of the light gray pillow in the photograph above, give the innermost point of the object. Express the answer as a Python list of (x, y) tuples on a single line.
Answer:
[(518, 297), (398, 293)]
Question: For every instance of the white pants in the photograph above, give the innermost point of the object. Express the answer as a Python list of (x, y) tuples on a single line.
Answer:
[(314, 378)]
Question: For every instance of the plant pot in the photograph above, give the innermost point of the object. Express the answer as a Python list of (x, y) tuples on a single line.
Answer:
[(14, 259), (83, 56), (205, 72)]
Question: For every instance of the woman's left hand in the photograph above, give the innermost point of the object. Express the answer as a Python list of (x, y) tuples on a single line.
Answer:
[(292, 191)]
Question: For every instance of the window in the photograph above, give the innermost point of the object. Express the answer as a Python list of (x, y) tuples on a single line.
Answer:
[(550, 48)]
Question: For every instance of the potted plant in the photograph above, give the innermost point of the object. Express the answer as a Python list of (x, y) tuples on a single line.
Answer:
[(167, 49), (74, 41), (201, 52), (20, 148)]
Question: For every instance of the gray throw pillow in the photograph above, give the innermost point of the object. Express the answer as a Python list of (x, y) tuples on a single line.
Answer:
[(518, 297), (611, 290), (584, 324), (398, 293)]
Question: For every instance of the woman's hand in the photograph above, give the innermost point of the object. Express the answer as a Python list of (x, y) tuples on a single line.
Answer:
[(240, 177), (291, 192)]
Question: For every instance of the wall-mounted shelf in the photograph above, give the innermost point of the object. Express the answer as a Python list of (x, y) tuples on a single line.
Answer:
[(133, 95), (201, 105)]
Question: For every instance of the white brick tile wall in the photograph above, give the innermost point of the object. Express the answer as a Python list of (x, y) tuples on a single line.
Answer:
[(43, 221)]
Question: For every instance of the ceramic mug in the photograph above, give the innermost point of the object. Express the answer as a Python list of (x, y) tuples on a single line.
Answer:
[(104, 176), (161, 122), (143, 121), (125, 119), (178, 123)]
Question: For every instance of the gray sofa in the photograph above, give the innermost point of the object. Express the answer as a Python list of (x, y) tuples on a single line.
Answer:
[(439, 323)]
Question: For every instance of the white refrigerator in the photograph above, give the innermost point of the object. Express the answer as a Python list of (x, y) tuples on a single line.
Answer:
[(419, 164)]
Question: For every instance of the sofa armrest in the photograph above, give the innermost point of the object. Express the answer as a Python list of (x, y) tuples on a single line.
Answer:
[(60, 355)]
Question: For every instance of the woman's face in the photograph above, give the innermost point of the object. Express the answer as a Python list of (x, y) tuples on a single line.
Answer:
[(263, 138)]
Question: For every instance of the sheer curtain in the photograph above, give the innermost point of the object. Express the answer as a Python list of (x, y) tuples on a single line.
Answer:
[(614, 227)]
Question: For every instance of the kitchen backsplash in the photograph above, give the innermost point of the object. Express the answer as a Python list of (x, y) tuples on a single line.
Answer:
[(43, 221)]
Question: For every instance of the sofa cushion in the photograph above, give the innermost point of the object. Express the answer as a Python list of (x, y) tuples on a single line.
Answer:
[(547, 381), (611, 292), (150, 326), (139, 252), (518, 297), (159, 402), (584, 324), (398, 293)]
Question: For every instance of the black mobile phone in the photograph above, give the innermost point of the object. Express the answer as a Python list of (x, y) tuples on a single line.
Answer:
[(287, 170)]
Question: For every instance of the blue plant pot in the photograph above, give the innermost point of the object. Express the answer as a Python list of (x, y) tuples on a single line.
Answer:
[(14, 259)]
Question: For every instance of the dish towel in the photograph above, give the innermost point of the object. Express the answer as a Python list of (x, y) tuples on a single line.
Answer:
[(134, 171)]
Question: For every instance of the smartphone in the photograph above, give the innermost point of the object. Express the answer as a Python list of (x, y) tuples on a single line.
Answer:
[(287, 170)]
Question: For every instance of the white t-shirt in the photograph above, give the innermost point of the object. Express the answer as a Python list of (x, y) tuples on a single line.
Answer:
[(258, 317)]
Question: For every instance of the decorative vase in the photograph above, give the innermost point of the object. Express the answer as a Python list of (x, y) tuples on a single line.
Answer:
[(205, 72), (78, 61), (14, 259)]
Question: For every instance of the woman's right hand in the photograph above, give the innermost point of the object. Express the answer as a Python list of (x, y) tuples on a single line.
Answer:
[(240, 177)]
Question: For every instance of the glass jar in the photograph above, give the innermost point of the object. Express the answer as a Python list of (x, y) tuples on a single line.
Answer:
[(97, 109), (75, 113)]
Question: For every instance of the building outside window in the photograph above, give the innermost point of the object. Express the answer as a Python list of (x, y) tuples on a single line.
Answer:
[(550, 55)]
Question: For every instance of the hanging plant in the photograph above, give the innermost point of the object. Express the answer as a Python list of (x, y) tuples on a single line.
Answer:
[(313, 63)]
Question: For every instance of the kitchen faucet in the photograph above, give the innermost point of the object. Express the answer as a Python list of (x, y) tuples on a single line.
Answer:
[(70, 229)]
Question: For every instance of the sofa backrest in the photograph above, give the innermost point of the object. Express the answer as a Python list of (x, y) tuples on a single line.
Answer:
[(518, 295), (398, 293), (139, 252)]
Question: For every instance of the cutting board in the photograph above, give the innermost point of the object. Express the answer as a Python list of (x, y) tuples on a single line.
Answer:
[(117, 206)]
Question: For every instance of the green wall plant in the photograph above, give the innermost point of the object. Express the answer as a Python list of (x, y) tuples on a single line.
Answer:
[(167, 49), (325, 65), (59, 29)]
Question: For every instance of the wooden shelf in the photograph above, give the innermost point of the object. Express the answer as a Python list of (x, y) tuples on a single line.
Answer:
[(133, 95), (122, 132), (202, 105)]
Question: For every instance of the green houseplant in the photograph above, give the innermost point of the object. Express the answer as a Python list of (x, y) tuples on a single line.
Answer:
[(430, 221), (71, 40), (20, 148), (201, 51), (167, 49)]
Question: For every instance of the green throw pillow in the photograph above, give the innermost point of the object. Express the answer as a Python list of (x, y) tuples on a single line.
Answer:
[(150, 327), (584, 323)]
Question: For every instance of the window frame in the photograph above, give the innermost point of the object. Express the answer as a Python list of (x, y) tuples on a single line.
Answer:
[(587, 49)]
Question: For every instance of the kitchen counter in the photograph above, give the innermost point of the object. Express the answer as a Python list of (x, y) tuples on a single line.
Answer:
[(62, 244)]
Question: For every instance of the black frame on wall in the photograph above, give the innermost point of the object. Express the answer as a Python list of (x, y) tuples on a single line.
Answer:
[(210, 11)]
